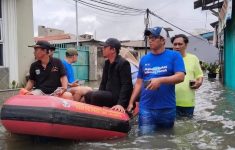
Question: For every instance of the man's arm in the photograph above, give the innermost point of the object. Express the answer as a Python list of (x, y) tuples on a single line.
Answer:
[(29, 85), (32, 78), (126, 84), (135, 93), (198, 83), (64, 84), (74, 84), (198, 75), (177, 77), (126, 87), (64, 81), (174, 79), (104, 77)]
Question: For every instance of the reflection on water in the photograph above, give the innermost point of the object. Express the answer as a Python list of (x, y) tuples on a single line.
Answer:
[(211, 128)]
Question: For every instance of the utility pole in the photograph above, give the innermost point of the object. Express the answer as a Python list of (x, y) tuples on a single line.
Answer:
[(77, 37), (146, 21)]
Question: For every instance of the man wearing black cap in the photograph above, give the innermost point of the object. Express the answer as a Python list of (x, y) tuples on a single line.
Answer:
[(75, 88), (52, 50), (47, 73), (116, 84), (159, 71)]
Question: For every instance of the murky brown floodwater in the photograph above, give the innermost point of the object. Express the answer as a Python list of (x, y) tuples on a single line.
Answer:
[(213, 127)]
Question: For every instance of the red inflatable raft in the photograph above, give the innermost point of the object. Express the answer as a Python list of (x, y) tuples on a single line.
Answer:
[(56, 117)]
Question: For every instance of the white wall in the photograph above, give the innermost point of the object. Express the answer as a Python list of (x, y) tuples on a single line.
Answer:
[(203, 50), (10, 52), (24, 36), (17, 35)]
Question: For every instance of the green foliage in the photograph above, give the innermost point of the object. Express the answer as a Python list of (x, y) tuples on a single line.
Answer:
[(204, 65), (15, 85), (213, 67)]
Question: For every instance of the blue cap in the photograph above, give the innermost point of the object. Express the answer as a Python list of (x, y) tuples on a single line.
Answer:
[(156, 31)]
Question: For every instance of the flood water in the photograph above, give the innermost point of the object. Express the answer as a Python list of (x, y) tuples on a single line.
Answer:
[(213, 127)]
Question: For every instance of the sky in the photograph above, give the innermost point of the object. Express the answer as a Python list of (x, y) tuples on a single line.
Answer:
[(61, 14)]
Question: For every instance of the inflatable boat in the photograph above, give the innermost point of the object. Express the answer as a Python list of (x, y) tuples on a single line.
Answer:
[(56, 117)]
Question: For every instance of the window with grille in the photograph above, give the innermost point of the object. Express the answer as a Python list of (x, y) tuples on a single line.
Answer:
[(1, 39)]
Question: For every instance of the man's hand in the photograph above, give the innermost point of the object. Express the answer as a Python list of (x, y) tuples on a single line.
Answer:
[(23, 91), (118, 108), (28, 93), (196, 85), (74, 84), (154, 84), (130, 107), (59, 91)]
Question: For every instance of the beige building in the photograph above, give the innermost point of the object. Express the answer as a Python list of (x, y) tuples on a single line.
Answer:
[(44, 31), (63, 41), (16, 27), (139, 46)]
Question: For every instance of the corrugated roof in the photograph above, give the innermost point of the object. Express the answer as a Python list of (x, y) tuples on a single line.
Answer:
[(141, 43), (63, 38), (53, 37)]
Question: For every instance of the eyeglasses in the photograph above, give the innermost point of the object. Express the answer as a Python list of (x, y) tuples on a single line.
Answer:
[(153, 37), (175, 44)]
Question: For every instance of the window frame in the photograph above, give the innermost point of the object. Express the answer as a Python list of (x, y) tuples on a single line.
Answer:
[(1, 29), (1, 36)]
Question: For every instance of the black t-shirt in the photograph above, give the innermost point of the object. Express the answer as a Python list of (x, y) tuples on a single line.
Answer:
[(47, 79)]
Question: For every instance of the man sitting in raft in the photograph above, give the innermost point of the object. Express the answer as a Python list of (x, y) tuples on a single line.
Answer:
[(116, 84), (47, 73), (77, 90)]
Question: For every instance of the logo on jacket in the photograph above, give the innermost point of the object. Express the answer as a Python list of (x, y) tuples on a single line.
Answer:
[(37, 71), (54, 69)]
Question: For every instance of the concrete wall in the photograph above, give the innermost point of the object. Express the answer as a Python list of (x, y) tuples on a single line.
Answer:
[(42, 31), (92, 63), (25, 36), (10, 53), (17, 35), (100, 63), (203, 50), (4, 78), (96, 60)]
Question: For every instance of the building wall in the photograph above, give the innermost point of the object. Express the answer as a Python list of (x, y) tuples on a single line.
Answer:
[(43, 31), (229, 52), (4, 78), (17, 35), (203, 50), (100, 63), (93, 63), (93, 60), (10, 53), (25, 36)]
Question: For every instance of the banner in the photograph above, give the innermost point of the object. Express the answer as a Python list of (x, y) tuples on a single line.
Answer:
[(225, 14)]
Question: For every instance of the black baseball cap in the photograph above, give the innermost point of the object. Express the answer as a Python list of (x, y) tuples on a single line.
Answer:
[(42, 44), (114, 43), (52, 48)]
